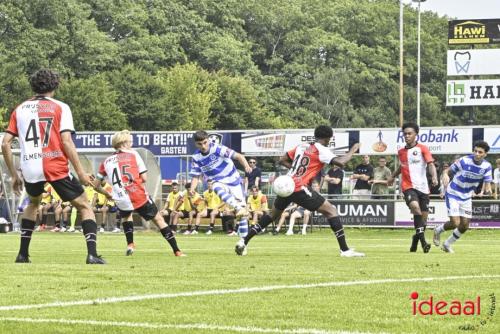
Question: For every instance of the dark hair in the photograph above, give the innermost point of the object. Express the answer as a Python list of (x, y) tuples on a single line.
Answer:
[(200, 135), (323, 131), (255, 188), (44, 81), (187, 185), (174, 184), (482, 144), (412, 125)]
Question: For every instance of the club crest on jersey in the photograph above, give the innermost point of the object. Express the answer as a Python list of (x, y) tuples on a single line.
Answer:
[(215, 138)]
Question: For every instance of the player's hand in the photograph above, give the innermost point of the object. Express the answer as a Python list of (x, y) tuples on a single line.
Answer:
[(355, 147), (390, 181), (84, 179), (434, 181), (17, 185), (248, 169)]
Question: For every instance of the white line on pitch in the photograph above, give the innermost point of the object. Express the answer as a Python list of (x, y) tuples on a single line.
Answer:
[(111, 300), (146, 325)]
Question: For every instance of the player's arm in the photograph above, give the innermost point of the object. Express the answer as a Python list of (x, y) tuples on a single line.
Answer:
[(243, 161), (245, 182), (194, 183), (286, 161), (17, 183), (433, 172), (342, 160), (70, 150), (394, 174), (98, 185)]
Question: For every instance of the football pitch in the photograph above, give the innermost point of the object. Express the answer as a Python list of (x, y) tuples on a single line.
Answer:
[(286, 284)]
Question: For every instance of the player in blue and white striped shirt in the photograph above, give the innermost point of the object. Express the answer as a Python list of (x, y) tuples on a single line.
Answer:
[(215, 161), (465, 175)]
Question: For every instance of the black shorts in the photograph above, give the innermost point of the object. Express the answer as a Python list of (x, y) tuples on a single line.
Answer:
[(412, 195), (68, 188), (308, 199), (148, 211)]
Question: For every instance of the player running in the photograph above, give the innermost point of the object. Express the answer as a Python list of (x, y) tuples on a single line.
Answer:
[(126, 172), (414, 159), (215, 162), (305, 161), (465, 174)]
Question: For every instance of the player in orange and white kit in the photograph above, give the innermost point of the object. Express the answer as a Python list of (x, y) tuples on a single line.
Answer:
[(44, 126), (305, 161), (126, 172), (414, 159)]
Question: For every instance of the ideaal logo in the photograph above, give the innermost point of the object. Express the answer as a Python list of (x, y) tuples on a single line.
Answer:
[(431, 306), (434, 306)]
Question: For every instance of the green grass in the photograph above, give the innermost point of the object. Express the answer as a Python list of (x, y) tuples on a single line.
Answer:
[(58, 273)]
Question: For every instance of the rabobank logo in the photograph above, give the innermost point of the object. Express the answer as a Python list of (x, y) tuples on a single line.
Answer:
[(433, 136), (441, 140)]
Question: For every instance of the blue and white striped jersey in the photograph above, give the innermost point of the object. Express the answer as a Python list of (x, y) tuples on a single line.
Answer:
[(467, 176), (216, 165)]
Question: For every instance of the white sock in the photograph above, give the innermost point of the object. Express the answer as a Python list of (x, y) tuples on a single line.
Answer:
[(453, 237), (440, 229)]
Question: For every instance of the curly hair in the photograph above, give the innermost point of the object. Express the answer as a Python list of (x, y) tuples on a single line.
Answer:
[(44, 81), (323, 131)]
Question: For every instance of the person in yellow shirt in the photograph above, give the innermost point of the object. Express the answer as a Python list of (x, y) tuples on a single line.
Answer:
[(169, 207), (198, 206), (213, 201), (56, 205), (103, 205), (183, 208), (45, 206), (257, 204)]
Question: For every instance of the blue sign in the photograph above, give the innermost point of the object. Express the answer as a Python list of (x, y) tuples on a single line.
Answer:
[(159, 143)]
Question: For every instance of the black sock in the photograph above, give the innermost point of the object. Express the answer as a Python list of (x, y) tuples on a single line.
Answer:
[(338, 229), (65, 223), (89, 228), (257, 228), (174, 228), (27, 227), (128, 229), (419, 228), (211, 228), (44, 220), (230, 224), (196, 227), (58, 224), (189, 227), (169, 236)]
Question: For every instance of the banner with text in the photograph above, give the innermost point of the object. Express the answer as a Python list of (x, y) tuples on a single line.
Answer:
[(363, 213), (474, 31), (492, 137), (159, 143), (472, 92), (473, 62), (277, 143)]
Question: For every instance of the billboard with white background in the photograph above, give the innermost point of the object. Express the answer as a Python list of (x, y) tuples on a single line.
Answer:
[(474, 62)]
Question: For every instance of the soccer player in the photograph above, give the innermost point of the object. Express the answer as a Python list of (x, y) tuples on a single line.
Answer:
[(496, 180), (126, 172), (465, 175), (414, 160), (305, 161), (44, 126), (215, 162)]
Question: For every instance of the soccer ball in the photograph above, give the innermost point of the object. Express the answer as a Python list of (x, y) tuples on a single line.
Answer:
[(283, 186)]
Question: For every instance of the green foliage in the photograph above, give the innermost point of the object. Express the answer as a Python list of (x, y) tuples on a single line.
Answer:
[(93, 104), (173, 64)]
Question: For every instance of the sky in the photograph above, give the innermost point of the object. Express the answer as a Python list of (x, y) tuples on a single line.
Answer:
[(462, 9)]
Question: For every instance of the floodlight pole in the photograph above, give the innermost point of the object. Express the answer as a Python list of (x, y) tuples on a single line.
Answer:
[(401, 106), (418, 62)]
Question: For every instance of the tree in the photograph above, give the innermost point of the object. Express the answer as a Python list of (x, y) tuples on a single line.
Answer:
[(93, 104)]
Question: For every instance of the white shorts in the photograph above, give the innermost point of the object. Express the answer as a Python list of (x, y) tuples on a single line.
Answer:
[(457, 208), (236, 191)]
